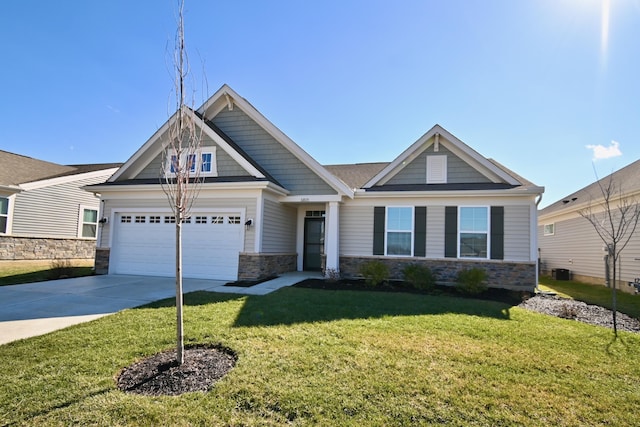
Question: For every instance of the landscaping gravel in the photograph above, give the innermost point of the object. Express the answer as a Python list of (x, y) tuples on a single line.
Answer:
[(580, 311)]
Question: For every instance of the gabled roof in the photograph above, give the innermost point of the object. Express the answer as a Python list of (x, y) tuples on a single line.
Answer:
[(226, 97), (355, 176), (626, 179), (490, 169), (17, 169)]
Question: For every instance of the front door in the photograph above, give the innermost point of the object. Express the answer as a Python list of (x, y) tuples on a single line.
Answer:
[(313, 244)]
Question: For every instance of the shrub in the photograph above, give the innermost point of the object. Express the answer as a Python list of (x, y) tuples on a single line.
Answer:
[(60, 269), (419, 276), (471, 281), (374, 272), (332, 275)]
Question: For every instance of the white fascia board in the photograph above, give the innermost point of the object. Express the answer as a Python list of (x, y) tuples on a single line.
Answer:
[(445, 194), (106, 173), (312, 198), (157, 188), (459, 148), (279, 136), (141, 152), (7, 190)]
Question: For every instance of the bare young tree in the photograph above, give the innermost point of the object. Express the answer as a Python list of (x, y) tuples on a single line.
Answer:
[(180, 170), (615, 220)]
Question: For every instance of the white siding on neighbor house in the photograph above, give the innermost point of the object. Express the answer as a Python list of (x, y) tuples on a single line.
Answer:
[(227, 204), (226, 166), (280, 163), (53, 211), (517, 240), (279, 228), (576, 246), (458, 171)]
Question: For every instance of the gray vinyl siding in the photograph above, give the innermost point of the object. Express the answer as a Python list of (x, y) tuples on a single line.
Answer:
[(576, 246), (356, 230), (225, 163), (145, 205), (270, 154), (458, 171), (517, 244), (435, 232), (53, 211), (279, 228)]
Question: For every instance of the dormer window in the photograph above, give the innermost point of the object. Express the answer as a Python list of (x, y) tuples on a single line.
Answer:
[(204, 161), (437, 169)]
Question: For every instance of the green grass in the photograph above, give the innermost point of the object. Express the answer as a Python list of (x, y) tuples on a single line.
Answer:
[(312, 357), (593, 294), (19, 272)]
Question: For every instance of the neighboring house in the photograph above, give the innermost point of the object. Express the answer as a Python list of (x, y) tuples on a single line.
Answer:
[(569, 242), (44, 211), (268, 207)]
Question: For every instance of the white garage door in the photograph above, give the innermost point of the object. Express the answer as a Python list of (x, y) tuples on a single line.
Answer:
[(144, 244)]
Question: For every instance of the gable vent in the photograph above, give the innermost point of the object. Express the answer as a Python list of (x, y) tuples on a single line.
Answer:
[(437, 169)]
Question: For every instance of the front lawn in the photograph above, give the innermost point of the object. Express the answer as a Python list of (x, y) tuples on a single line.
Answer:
[(314, 357), (593, 294), (19, 272)]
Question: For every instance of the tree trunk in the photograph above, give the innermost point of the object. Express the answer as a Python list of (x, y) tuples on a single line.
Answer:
[(179, 301)]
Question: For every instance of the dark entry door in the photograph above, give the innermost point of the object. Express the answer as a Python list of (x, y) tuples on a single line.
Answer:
[(313, 244)]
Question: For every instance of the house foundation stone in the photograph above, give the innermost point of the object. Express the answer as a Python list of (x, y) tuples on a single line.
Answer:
[(36, 248), (260, 266), (500, 274)]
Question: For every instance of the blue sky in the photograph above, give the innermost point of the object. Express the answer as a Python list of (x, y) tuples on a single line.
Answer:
[(542, 86)]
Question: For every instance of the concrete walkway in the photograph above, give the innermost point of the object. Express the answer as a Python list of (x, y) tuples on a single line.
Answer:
[(38, 308)]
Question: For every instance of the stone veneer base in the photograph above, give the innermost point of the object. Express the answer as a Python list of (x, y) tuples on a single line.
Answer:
[(38, 248), (260, 266), (501, 274)]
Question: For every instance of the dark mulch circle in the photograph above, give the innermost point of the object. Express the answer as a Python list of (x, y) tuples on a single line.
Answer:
[(160, 375)]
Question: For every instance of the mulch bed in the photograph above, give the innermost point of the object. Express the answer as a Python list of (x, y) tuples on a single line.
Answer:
[(160, 375), (491, 294), (249, 283)]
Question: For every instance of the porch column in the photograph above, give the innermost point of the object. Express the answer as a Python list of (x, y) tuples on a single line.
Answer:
[(332, 239)]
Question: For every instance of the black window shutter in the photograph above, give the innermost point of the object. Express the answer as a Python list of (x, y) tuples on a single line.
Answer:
[(497, 232), (378, 230), (451, 231), (420, 231)]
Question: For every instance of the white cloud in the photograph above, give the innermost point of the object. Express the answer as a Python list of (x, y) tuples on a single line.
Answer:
[(601, 152)]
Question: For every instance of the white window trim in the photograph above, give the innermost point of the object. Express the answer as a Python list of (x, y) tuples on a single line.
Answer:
[(437, 163), (10, 201), (199, 153), (488, 208), (553, 229), (387, 230), (81, 221)]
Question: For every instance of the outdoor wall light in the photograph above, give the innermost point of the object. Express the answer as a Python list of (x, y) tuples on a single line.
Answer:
[(249, 223), (104, 220)]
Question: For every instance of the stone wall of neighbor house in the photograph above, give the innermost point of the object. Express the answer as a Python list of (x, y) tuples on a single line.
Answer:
[(260, 266), (501, 274), (102, 260), (35, 248)]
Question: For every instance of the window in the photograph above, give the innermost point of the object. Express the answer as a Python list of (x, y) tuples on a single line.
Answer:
[(204, 162), (169, 219), (125, 218), (154, 219), (436, 169), (549, 229), (399, 231), (473, 231), (140, 219), (201, 219), (217, 220), (4, 214), (234, 220)]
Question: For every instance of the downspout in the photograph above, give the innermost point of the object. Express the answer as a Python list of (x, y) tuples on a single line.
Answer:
[(537, 288)]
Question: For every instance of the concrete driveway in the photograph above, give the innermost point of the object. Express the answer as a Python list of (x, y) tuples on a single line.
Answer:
[(38, 308)]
